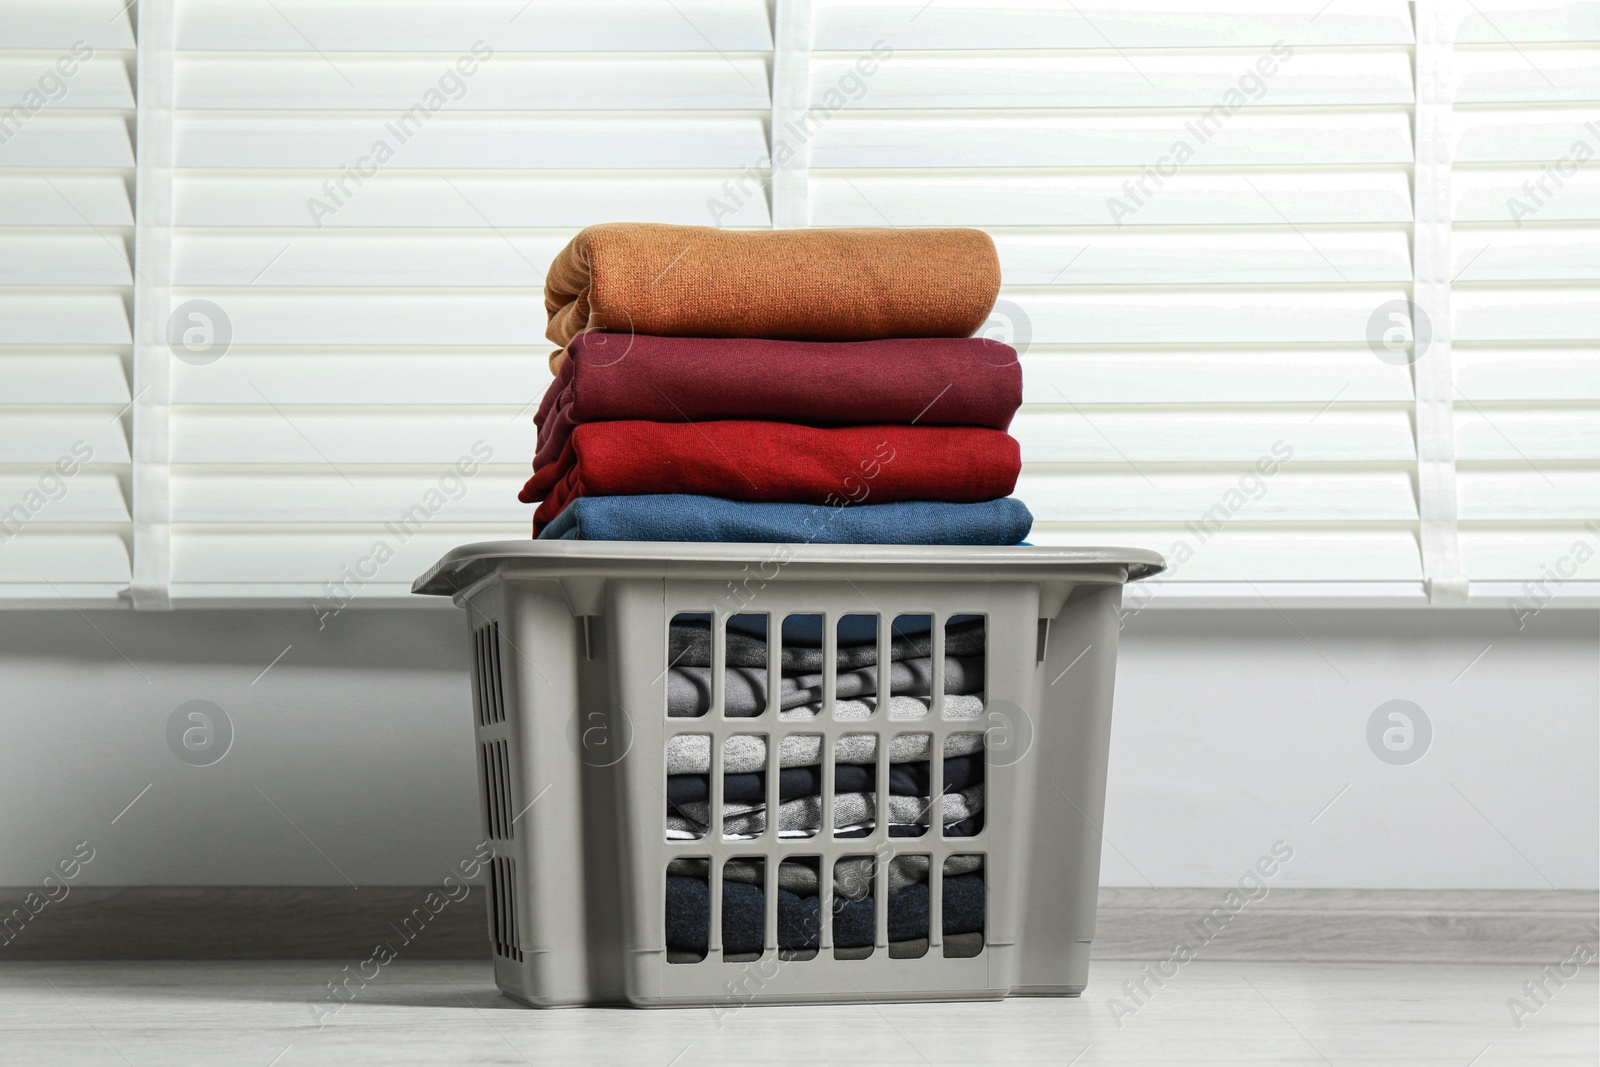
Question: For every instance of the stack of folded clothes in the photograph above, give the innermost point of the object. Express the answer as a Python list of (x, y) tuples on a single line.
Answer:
[(802, 386), (915, 803), (912, 804)]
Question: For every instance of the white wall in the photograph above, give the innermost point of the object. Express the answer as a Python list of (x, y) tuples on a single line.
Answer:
[(1236, 729), (1233, 731)]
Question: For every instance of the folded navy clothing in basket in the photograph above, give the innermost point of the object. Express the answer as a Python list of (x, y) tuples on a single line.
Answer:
[(852, 875), (688, 915), (688, 517), (961, 946), (689, 645), (905, 779), (806, 629), (964, 828), (744, 689)]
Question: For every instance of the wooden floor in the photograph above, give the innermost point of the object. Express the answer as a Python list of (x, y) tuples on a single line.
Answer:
[(445, 1012)]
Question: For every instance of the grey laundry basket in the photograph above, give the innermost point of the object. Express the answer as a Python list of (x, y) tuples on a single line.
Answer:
[(569, 685)]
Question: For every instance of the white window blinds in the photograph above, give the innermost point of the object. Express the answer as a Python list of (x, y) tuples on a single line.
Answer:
[(1214, 222), (66, 229), (1526, 263), (370, 194)]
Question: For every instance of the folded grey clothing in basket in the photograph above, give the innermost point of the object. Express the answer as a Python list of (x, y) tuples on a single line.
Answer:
[(689, 645), (850, 811), (901, 708), (691, 753), (852, 876), (745, 688)]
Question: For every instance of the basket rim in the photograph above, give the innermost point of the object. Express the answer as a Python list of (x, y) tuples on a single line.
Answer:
[(467, 564)]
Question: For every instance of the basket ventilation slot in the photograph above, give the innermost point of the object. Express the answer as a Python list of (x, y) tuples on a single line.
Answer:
[(486, 662), (495, 759), (503, 907)]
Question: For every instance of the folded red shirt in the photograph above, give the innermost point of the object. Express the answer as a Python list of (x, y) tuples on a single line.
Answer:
[(934, 381), (776, 461)]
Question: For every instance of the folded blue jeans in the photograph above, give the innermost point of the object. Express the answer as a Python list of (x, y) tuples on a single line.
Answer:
[(687, 517)]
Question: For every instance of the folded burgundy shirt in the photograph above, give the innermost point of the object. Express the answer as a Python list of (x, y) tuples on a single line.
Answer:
[(776, 461), (933, 381)]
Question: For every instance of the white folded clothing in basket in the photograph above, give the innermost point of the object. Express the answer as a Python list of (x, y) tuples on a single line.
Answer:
[(851, 811), (744, 753)]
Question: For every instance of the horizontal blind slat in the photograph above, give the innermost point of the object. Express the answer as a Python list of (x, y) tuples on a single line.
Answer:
[(1524, 436), (1129, 258), (931, 80), (57, 24), (1529, 314), (1518, 135), (44, 439), (1529, 21), (427, 318), (374, 378), (63, 379), (1186, 317), (81, 82), (1524, 495), (81, 498), (1500, 195), (61, 319), (69, 559), (1012, 198), (68, 141), (244, 557), (1512, 75), (488, 495), (1306, 376), (1296, 496), (64, 199), (852, 25), (614, 82), (1076, 435), (461, 200), (1526, 556), (1528, 374), (1254, 139), (64, 259), (269, 436), (1235, 555), (445, 141), (455, 25)]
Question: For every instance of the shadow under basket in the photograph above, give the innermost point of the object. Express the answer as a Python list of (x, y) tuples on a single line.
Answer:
[(911, 816)]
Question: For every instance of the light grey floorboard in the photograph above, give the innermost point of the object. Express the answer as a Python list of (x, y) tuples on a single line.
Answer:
[(448, 1012), (1347, 925), (323, 922)]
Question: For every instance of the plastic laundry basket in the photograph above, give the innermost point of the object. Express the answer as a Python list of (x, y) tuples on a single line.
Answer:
[(570, 643)]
